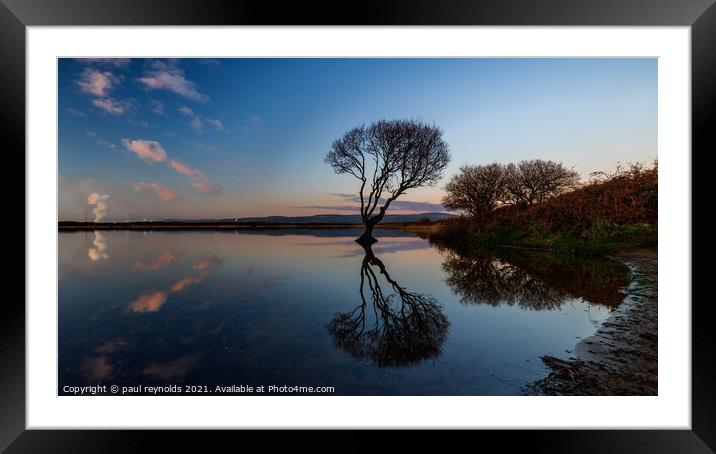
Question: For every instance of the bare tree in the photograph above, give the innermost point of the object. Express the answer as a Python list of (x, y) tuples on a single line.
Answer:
[(388, 158), (535, 180), (476, 190)]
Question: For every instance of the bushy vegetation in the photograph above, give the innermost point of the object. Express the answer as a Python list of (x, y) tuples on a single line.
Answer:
[(610, 212)]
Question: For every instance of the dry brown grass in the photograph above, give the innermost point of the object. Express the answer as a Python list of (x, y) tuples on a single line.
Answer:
[(612, 211), (627, 196)]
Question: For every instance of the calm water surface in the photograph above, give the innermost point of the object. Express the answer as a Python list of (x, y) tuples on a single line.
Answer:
[(313, 308)]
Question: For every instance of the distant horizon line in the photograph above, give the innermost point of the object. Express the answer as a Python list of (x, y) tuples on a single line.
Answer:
[(238, 218)]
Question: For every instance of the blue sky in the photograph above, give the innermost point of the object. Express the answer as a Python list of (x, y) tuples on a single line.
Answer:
[(198, 138)]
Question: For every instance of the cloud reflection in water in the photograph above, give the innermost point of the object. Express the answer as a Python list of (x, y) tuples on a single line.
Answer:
[(98, 251)]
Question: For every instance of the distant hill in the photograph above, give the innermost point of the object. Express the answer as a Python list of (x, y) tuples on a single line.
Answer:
[(318, 219)]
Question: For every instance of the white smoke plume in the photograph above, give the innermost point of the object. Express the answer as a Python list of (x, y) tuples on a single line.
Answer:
[(100, 205)]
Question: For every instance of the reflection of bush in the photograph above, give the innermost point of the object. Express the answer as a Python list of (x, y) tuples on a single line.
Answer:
[(533, 280), (406, 327)]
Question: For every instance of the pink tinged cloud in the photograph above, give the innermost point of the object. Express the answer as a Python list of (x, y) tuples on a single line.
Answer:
[(172, 79), (183, 168), (96, 83), (159, 190), (205, 187), (199, 181), (148, 302), (147, 150), (110, 106)]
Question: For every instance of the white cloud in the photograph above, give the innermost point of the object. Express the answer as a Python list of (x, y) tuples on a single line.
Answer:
[(209, 62), (184, 110), (76, 113), (99, 201), (166, 76), (112, 106), (148, 150), (196, 124), (93, 135), (157, 107), (217, 124), (106, 144), (114, 62)]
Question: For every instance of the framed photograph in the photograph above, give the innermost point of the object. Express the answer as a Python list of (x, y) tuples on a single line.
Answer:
[(240, 216)]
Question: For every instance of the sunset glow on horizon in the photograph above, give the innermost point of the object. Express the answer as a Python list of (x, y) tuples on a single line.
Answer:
[(224, 138)]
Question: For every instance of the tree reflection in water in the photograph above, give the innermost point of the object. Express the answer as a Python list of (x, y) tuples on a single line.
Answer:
[(405, 329), (535, 281)]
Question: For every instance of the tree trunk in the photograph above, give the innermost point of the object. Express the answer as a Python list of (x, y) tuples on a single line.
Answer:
[(367, 237)]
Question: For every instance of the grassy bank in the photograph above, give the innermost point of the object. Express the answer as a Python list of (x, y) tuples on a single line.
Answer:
[(611, 213)]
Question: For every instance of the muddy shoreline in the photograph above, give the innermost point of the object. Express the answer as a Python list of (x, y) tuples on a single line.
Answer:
[(621, 357)]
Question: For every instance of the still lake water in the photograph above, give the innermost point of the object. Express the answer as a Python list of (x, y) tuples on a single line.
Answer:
[(313, 308)]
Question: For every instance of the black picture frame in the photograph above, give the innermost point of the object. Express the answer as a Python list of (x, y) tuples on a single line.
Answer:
[(16, 15)]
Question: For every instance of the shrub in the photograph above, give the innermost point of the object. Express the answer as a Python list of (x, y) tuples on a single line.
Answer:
[(624, 197), (610, 211)]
